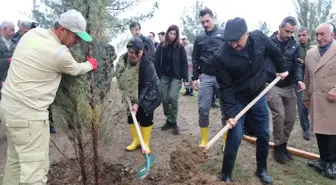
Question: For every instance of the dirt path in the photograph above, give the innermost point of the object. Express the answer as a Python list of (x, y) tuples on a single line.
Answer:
[(163, 143)]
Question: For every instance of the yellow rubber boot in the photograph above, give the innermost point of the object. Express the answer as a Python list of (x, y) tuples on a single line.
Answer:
[(204, 136), (224, 141), (146, 134), (136, 142)]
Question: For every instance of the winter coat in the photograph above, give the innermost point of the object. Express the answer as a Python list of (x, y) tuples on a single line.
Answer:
[(139, 82), (320, 78)]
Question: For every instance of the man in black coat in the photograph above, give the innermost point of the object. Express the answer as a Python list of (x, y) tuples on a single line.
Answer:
[(282, 99), (241, 75), (135, 29)]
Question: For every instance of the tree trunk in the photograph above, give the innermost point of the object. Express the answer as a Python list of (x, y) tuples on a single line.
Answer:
[(94, 122)]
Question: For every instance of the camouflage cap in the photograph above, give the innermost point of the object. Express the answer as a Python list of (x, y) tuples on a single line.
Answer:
[(135, 43)]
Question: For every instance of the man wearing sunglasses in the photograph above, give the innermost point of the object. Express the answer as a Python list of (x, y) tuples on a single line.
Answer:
[(33, 78), (240, 73)]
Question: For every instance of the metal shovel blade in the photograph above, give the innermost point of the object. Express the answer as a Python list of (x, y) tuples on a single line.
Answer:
[(143, 169)]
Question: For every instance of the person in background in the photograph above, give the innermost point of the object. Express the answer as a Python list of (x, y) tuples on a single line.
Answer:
[(281, 99), (205, 46), (29, 90), (189, 48), (334, 29), (151, 35), (171, 65), (304, 40), (7, 47), (135, 29), (137, 79), (240, 68), (24, 27), (320, 98), (162, 36)]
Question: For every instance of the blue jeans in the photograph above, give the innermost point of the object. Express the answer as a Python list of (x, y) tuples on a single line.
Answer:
[(259, 113), (303, 112)]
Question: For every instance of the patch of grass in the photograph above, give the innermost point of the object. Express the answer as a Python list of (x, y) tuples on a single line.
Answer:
[(294, 173), (298, 173)]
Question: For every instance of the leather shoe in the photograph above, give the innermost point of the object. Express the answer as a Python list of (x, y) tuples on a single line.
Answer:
[(263, 176), (318, 164), (330, 171)]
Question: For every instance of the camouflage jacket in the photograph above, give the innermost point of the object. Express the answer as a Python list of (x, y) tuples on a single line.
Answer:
[(128, 76), (139, 82)]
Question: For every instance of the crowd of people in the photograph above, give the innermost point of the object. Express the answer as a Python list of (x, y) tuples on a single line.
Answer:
[(229, 63)]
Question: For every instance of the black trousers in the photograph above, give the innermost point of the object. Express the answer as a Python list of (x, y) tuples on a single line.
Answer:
[(142, 118), (327, 147)]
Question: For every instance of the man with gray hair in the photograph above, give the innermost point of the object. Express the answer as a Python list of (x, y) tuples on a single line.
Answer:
[(6, 48), (320, 98), (24, 27), (281, 98)]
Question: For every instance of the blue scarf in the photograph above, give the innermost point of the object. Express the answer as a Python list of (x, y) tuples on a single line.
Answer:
[(324, 49)]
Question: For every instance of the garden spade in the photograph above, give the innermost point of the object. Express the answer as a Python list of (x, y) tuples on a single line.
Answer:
[(143, 169)]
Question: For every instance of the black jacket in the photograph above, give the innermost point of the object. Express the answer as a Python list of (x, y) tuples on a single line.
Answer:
[(294, 67), (205, 46), (149, 46), (149, 87), (180, 62), (241, 78)]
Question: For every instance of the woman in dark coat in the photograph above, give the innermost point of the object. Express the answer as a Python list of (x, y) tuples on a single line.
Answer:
[(172, 68), (138, 80)]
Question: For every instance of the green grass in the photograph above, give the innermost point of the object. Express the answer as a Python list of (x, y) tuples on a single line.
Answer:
[(298, 173), (214, 166), (294, 173)]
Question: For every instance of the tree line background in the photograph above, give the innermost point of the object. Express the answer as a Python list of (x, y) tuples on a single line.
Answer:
[(309, 13)]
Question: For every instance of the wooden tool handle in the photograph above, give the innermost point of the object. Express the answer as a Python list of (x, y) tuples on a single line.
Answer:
[(137, 127), (291, 150), (241, 113)]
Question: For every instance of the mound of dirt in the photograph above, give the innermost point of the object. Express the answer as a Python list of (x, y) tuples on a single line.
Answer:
[(187, 158), (185, 163)]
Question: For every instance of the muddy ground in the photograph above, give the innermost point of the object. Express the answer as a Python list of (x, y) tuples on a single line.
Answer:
[(179, 161)]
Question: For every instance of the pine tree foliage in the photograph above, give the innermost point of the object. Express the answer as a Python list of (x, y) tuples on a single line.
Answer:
[(82, 101), (311, 13), (264, 27)]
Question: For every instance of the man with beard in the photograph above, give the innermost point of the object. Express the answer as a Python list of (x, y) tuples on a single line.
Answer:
[(135, 29), (205, 46), (281, 98), (304, 40)]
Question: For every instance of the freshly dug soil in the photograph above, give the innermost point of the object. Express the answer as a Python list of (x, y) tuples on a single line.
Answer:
[(185, 163)]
